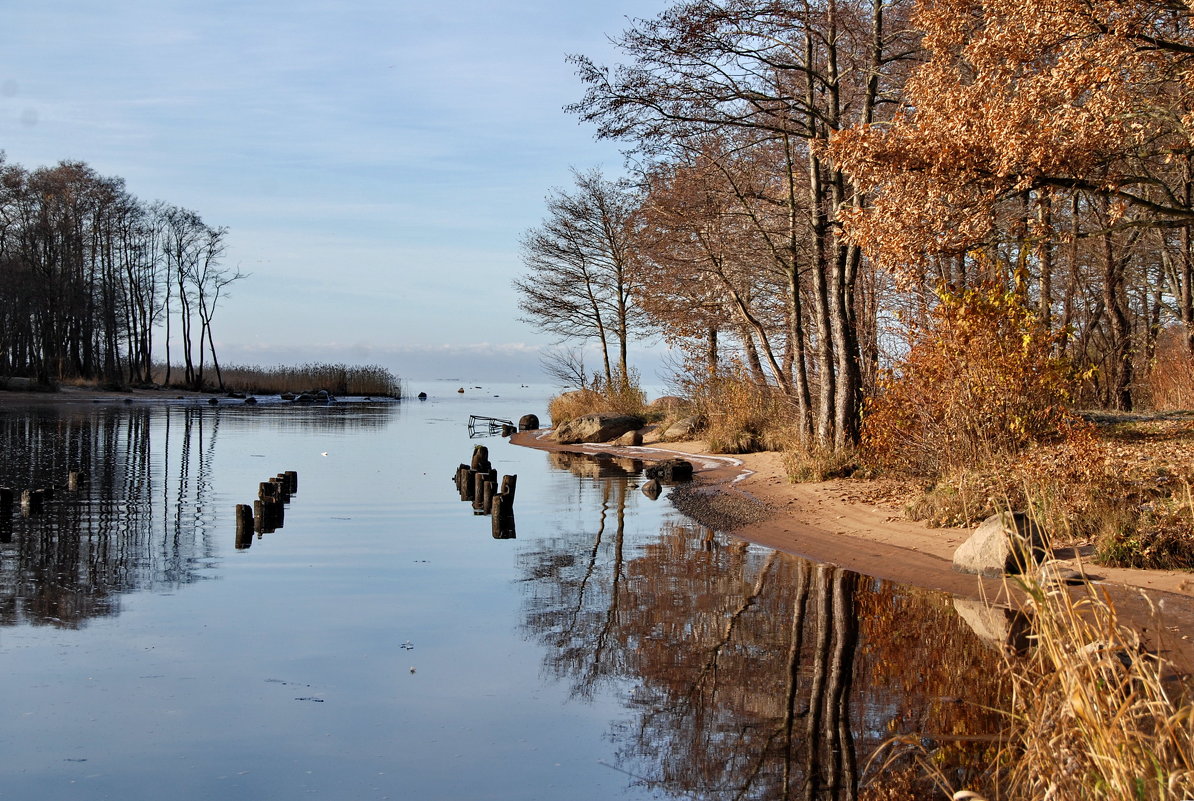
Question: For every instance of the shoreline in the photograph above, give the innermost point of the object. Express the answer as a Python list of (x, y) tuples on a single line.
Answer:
[(831, 522)]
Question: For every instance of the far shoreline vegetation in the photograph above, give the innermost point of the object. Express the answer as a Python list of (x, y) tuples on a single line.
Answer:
[(338, 379)]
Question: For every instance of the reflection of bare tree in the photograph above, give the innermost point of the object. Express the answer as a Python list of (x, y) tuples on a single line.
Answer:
[(141, 521), (753, 674)]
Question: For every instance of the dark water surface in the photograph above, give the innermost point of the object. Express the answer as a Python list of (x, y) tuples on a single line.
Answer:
[(382, 644)]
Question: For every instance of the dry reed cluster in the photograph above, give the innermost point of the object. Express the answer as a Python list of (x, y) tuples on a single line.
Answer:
[(621, 396), (338, 379)]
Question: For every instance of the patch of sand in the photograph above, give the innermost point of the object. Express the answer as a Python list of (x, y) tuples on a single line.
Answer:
[(840, 522)]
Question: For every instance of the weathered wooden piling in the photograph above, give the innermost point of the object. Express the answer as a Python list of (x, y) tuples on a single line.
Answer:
[(489, 490), (479, 480), (280, 493), (480, 459), (74, 480), (291, 481), (502, 516), (267, 489), (244, 526), (508, 486), (508, 430)]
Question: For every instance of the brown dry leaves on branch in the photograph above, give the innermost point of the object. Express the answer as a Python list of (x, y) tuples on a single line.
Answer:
[(1016, 96)]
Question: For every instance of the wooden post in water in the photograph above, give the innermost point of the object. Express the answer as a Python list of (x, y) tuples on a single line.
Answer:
[(503, 518), (74, 480), (280, 493), (259, 516), (508, 485), (480, 458), (244, 526), (267, 489), (292, 481), (479, 480), (487, 496), (5, 501)]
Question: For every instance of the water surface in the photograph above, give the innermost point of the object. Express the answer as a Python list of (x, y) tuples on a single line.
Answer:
[(382, 644)]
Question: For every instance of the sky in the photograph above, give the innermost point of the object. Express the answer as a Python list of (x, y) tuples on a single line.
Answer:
[(375, 161)]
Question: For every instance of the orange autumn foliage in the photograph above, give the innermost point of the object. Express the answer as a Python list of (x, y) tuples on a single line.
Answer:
[(1055, 95), (979, 381)]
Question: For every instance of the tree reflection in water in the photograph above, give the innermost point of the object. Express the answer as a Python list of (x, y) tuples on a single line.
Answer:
[(143, 518), (752, 673)]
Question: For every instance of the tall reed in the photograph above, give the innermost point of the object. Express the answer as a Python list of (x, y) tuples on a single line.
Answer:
[(336, 378)]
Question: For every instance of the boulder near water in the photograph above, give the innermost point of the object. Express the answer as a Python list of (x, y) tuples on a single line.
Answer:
[(601, 427), (1004, 543), (683, 429)]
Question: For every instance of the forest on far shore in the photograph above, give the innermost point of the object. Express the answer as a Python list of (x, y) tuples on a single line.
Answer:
[(92, 279)]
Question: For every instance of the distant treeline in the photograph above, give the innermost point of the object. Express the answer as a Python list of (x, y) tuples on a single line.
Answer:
[(90, 275)]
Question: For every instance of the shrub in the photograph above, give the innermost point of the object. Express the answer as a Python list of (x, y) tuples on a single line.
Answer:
[(622, 396), (979, 381), (741, 414)]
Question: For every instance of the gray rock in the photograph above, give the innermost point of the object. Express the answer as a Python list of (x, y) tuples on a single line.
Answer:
[(1054, 572), (683, 429), (630, 438), (601, 427), (1004, 543)]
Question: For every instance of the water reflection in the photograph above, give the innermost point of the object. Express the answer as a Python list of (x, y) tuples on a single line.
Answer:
[(754, 674), (142, 518)]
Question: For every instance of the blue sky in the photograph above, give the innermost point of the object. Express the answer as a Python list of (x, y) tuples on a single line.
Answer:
[(375, 162)]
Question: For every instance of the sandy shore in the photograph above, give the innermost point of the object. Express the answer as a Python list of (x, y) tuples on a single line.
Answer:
[(832, 522)]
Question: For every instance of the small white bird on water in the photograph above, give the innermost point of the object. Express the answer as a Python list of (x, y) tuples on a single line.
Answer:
[(325, 453)]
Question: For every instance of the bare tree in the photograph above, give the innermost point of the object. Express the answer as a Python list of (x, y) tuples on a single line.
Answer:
[(579, 279)]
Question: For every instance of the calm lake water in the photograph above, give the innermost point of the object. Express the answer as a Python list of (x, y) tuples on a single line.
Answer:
[(382, 644)]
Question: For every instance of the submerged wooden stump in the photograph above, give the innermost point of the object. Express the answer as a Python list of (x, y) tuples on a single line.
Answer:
[(502, 517), (480, 459), (244, 526)]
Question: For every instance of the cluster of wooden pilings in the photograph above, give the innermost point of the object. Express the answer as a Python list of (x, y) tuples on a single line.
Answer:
[(33, 501), (477, 482), (266, 514)]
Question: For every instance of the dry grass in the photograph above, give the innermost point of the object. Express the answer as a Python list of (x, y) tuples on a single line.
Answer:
[(622, 397), (1090, 716), (807, 464), (741, 415), (1125, 488)]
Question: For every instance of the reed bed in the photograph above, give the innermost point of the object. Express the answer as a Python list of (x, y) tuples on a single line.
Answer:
[(336, 378)]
